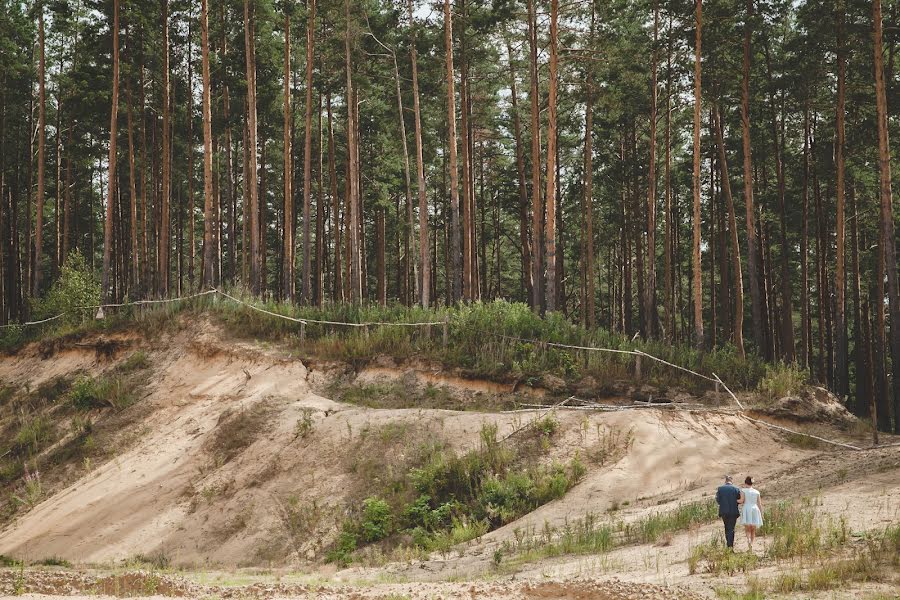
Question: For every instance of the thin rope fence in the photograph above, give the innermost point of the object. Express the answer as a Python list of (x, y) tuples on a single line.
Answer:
[(561, 405)]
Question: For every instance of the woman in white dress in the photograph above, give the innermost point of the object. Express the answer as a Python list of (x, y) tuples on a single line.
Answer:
[(751, 510)]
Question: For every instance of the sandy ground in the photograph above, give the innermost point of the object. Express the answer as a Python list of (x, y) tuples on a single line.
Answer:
[(166, 493)]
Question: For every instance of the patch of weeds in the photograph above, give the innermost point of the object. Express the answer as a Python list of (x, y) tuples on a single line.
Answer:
[(300, 519), (652, 528), (158, 560), (8, 561), (114, 391), (783, 380), (33, 435), (714, 557), (54, 561), (611, 444), (136, 362), (32, 489), (797, 531), (304, 423)]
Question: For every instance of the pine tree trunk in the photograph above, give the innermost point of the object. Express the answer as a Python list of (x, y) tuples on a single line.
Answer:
[(338, 292), (588, 303), (111, 193), (697, 270), (41, 134), (132, 179), (208, 221), (550, 249), (753, 263), (786, 322), (651, 316), (524, 241), (669, 235), (251, 178), (537, 206), (163, 241), (887, 219), (841, 375), (455, 236), (735, 246), (321, 215), (805, 324), (424, 253), (287, 282), (307, 151), (353, 196)]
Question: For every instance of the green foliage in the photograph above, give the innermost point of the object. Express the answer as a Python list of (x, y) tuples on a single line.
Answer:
[(783, 380), (110, 391), (714, 557), (54, 561), (653, 527), (76, 286), (33, 435), (376, 520)]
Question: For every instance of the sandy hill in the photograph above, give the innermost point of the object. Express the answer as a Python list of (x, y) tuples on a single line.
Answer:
[(228, 456)]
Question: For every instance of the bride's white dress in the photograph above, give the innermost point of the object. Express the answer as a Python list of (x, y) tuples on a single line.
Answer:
[(750, 513)]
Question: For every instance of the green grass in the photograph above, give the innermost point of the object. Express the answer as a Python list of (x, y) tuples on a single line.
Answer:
[(418, 491), (652, 528), (479, 341)]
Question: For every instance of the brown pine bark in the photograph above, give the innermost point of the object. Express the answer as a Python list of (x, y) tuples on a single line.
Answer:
[(307, 151), (41, 134), (251, 178), (697, 271), (338, 292), (318, 290), (163, 240), (753, 261), (588, 303), (735, 245), (551, 289), (356, 275), (841, 375), (424, 253), (805, 323), (107, 283), (889, 241), (455, 235), (209, 206), (287, 283), (524, 241), (651, 317), (132, 180), (537, 206), (669, 234)]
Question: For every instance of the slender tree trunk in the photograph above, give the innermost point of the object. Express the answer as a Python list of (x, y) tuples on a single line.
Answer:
[(841, 376), (735, 246), (163, 241), (455, 237), (805, 324), (651, 315), (424, 254), (251, 178), (287, 283), (338, 292), (41, 135), (68, 206), (307, 149), (380, 281), (520, 172), (697, 280), (537, 206), (862, 343), (111, 193), (353, 196), (321, 214), (209, 207), (132, 179), (887, 219), (551, 162), (753, 264), (589, 309), (669, 235)]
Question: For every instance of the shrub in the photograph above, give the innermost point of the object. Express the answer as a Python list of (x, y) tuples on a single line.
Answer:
[(782, 380), (76, 286), (376, 520)]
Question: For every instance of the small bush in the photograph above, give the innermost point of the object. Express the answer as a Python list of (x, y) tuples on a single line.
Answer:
[(376, 520), (76, 286), (783, 380), (136, 362)]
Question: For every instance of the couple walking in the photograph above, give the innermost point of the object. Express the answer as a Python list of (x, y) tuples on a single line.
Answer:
[(737, 502)]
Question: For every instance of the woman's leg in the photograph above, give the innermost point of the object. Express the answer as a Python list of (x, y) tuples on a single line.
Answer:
[(747, 531), (752, 529)]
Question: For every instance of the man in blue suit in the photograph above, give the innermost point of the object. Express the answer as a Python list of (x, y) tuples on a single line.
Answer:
[(727, 497)]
